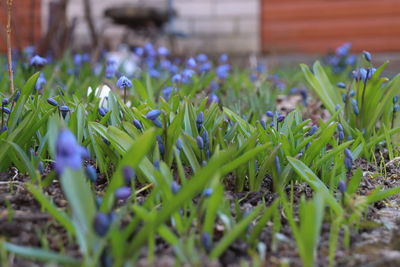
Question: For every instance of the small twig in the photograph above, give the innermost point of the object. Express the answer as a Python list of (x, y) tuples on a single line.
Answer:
[(10, 71)]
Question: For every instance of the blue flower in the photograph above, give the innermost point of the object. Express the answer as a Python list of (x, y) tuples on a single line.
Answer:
[(78, 60), (102, 112), (68, 153), (91, 173), (38, 61), (52, 102), (101, 223), (223, 71), (395, 99), (191, 63), (166, 92), (280, 118), (367, 56), (64, 110), (207, 192), (277, 165), (153, 114), (200, 120), (163, 51), (175, 187), (205, 67), (6, 110), (396, 108), (354, 104), (41, 80), (342, 187), (123, 193), (123, 83), (312, 130), (137, 124), (179, 144), (161, 146), (177, 78), (343, 50), (200, 142), (201, 58), (341, 85), (269, 114), (129, 174), (213, 98), (139, 51), (16, 96), (154, 73), (223, 58), (157, 123), (111, 69), (5, 101)]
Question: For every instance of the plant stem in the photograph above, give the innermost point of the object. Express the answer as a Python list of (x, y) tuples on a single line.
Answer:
[(10, 72)]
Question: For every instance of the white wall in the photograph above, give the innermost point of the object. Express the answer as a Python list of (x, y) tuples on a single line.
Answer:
[(213, 26)]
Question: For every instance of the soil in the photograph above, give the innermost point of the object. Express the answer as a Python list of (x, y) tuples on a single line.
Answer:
[(23, 222)]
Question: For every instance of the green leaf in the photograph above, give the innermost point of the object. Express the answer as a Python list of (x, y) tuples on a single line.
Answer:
[(40, 254), (315, 183)]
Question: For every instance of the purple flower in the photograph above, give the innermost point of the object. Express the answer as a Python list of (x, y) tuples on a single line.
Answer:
[(38, 61), (68, 153), (206, 241), (312, 130), (123, 83), (5, 101)]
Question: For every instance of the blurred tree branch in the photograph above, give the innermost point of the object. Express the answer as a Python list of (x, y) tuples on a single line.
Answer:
[(89, 20)]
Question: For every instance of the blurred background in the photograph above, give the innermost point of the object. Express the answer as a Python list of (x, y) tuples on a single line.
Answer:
[(294, 29)]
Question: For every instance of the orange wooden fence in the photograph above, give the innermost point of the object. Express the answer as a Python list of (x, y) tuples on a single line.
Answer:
[(26, 23), (316, 26)]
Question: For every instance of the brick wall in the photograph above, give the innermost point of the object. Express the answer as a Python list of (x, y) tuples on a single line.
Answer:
[(26, 23), (212, 26)]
